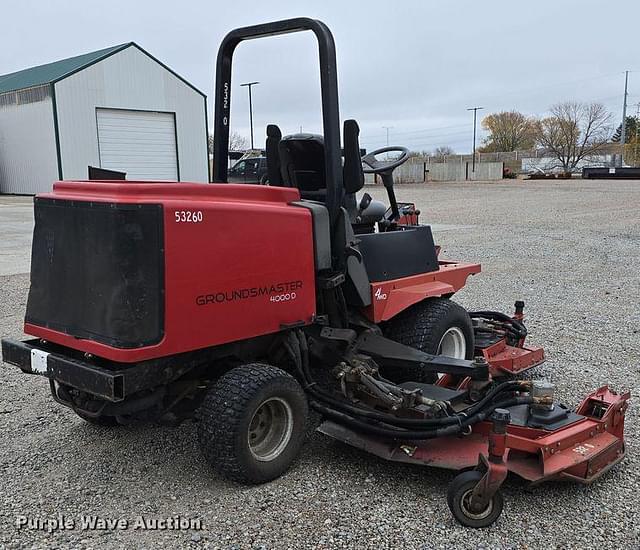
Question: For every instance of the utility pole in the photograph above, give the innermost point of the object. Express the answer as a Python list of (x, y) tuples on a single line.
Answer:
[(636, 161), (623, 134), (475, 111), (249, 84), (387, 128)]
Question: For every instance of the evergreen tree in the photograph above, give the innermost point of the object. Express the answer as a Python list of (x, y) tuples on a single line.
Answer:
[(632, 128)]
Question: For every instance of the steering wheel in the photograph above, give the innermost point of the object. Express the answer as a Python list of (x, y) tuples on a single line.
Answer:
[(385, 169), (381, 167)]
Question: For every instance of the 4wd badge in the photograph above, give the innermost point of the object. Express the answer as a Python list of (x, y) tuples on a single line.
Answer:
[(379, 294)]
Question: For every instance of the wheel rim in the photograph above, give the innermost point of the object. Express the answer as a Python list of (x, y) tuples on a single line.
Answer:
[(453, 344), (469, 512), (270, 429)]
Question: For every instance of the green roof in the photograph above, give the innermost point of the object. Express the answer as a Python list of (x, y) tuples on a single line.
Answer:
[(51, 72)]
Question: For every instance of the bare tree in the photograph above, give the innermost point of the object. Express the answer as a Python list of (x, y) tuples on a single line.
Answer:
[(443, 151), (573, 132), (632, 151), (236, 142), (508, 131), (420, 154)]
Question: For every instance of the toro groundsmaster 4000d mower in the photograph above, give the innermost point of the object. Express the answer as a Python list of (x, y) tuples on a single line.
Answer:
[(245, 306)]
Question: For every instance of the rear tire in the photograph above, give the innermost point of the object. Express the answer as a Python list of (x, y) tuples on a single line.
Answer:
[(435, 325), (252, 423), (106, 421)]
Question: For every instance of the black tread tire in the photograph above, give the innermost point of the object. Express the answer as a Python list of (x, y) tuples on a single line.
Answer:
[(460, 485), (227, 410), (105, 421), (421, 326)]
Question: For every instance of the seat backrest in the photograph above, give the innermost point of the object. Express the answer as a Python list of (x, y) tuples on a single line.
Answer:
[(274, 174), (302, 165), (300, 160), (352, 170)]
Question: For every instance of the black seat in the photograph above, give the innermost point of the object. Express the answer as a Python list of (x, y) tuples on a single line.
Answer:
[(298, 161), (302, 165)]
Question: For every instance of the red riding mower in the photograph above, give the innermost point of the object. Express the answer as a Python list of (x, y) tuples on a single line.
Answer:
[(243, 306)]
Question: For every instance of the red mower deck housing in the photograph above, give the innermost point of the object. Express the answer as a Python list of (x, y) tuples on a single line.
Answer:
[(581, 451)]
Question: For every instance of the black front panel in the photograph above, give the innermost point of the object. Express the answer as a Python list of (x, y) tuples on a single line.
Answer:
[(397, 254), (97, 271)]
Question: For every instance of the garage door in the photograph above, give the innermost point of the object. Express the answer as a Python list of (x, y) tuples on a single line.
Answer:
[(140, 143)]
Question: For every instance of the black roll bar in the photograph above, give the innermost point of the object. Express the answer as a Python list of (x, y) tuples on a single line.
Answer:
[(329, 90)]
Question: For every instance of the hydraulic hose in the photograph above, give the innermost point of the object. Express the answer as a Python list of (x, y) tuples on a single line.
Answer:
[(519, 329), (410, 422), (396, 433), (328, 402)]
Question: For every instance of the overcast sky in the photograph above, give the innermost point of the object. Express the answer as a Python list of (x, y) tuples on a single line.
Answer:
[(415, 66)]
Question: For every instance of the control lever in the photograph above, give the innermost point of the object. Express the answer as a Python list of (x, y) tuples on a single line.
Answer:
[(365, 201)]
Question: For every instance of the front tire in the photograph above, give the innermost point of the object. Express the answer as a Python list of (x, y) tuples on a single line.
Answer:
[(458, 499), (437, 326), (252, 423)]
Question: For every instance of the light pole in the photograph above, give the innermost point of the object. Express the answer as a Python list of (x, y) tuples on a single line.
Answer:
[(248, 85), (475, 111), (387, 128), (623, 133)]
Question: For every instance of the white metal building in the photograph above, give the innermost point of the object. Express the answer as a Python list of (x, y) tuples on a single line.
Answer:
[(119, 109)]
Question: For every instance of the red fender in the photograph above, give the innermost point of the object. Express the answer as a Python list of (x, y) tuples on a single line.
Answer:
[(388, 298)]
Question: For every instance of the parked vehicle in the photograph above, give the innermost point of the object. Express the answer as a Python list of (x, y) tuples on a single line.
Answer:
[(249, 170)]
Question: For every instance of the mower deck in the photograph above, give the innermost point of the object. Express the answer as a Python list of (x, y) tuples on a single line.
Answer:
[(505, 359), (582, 450)]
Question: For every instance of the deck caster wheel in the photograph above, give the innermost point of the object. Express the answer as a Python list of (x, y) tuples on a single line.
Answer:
[(459, 501), (252, 423)]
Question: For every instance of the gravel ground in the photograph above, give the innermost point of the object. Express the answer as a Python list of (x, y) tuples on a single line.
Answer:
[(570, 249)]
